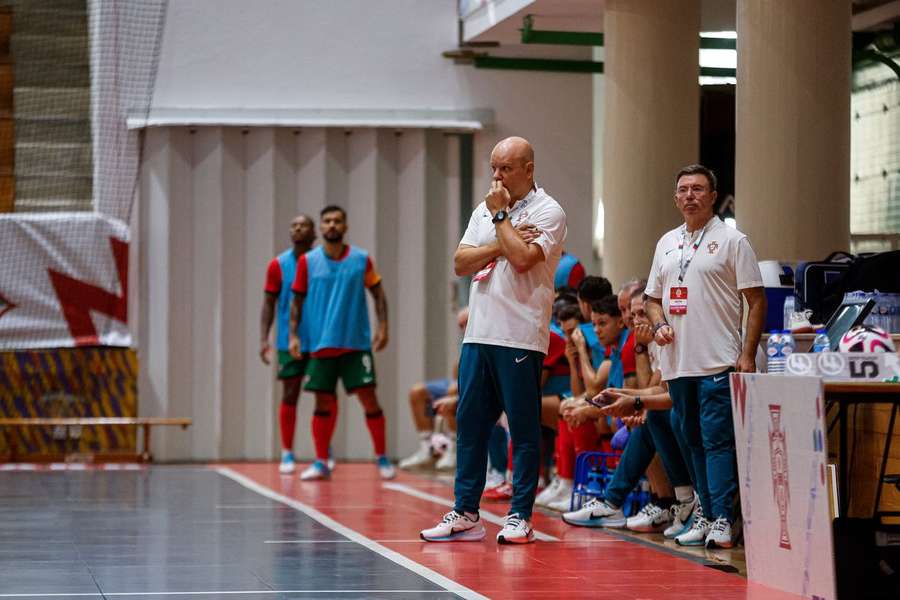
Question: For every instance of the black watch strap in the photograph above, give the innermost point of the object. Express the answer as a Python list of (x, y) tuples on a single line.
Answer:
[(500, 216), (638, 403)]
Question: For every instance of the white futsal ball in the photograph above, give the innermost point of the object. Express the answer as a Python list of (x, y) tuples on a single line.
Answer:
[(865, 338)]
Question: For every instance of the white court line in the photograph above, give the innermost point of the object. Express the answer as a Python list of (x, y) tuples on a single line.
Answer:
[(417, 541), (217, 593), (486, 515), (323, 519)]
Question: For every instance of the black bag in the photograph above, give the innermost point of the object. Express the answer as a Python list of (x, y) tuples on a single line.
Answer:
[(869, 272)]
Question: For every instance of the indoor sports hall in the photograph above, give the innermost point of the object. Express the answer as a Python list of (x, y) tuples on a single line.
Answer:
[(213, 210)]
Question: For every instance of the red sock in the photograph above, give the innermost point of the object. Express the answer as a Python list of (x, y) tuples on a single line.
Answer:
[(332, 423), (287, 419), (322, 430), (375, 423), (565, 462)]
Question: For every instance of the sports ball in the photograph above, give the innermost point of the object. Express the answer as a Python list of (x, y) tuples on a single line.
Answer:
[(865, 338)]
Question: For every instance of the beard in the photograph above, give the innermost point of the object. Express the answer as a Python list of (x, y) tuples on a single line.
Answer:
[(333, 237)]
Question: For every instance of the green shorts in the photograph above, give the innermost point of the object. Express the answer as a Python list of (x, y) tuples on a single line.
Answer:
[(289, 367), (356, 370)]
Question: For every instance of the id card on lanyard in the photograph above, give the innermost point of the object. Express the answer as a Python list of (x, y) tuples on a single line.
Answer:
[(678, 295)]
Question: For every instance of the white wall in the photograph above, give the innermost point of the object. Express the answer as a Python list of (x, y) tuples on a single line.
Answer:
[(215, 204)]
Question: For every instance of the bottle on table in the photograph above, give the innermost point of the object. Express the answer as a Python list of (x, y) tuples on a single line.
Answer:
[(774, 353), (822, 343)]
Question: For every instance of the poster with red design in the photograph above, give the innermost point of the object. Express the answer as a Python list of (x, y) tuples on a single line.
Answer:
[(63, 281), (779, 426)]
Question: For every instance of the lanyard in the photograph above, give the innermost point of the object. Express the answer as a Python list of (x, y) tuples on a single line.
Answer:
[(682, 264)]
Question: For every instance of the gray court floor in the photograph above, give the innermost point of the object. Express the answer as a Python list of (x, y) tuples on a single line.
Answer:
[(177, 532)]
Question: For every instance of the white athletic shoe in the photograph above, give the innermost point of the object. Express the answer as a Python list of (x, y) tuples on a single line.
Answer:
[(720, 534), (549, 493), (516, 530), (696, 535), (562, 499), (649, 519), (596, 513), (447, 461), (494, 479), (420, 459), (385, 469), (315, 472), (455, 527), (331, 462), (683, 515), (287, 465)]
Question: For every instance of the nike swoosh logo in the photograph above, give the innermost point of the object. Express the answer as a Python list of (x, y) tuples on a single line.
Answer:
[(518, 360), (718, 379)]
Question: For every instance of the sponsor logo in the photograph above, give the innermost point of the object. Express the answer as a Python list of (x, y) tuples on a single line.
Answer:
[(780, 480), (831, 363), (520, 359), (799, 364), (718, 379)]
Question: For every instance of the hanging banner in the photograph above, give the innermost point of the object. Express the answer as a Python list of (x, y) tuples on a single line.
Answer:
[(780, 440), (63, 281)]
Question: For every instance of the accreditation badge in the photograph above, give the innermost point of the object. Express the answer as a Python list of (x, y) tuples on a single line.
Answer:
[(678, 301), (485, 272)]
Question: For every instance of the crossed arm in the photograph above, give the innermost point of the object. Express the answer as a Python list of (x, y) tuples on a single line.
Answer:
[(513, 243)]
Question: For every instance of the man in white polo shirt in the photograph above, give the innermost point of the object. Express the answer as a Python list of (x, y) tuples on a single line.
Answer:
[(511, 248), (700, 272)]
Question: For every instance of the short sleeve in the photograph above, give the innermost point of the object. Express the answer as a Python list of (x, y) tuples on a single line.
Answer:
[(746, 267), (273, 277), (372, 277), (301, 279), (470, 237), (654, 287), (552, 225)]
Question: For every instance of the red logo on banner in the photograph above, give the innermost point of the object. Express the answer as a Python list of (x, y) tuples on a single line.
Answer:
[(739, 386), (780, 482), (5, 305), (78, 298)]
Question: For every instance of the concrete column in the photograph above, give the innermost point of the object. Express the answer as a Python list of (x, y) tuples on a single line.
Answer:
[(792, 176), (651, 124)]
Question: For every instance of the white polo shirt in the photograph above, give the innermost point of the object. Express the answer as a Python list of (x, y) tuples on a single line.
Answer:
[(508, 308), (708, 336)]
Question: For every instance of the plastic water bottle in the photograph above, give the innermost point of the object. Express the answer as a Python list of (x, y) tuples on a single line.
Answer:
[(788, 344), (775, 364), (821, 343), (790, 305)]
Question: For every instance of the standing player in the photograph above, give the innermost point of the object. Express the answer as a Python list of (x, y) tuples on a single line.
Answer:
[(506, 339), (277, 300), (330, 289)]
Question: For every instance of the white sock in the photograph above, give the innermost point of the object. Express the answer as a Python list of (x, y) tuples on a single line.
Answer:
[(684, 493)]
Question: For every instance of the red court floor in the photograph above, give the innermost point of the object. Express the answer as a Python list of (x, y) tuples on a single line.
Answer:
[(568, 562)]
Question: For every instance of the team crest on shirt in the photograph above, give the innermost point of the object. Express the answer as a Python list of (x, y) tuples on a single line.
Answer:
[(712, 246)]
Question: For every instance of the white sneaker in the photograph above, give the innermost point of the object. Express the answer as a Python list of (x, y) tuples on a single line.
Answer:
[(455, 527), (595, 513), (494, 479), (562, 499), (287, 465), (683, 515), (421, 458), (696, 535), (447, 462), (649, 519), (516, 530), (331, 462), (315, 472), (548, 494), (385, 469), (720, 534)]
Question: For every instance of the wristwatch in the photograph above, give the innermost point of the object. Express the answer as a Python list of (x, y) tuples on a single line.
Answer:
[(640, 348), (659, 326), (500, 216), (638, 403)]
